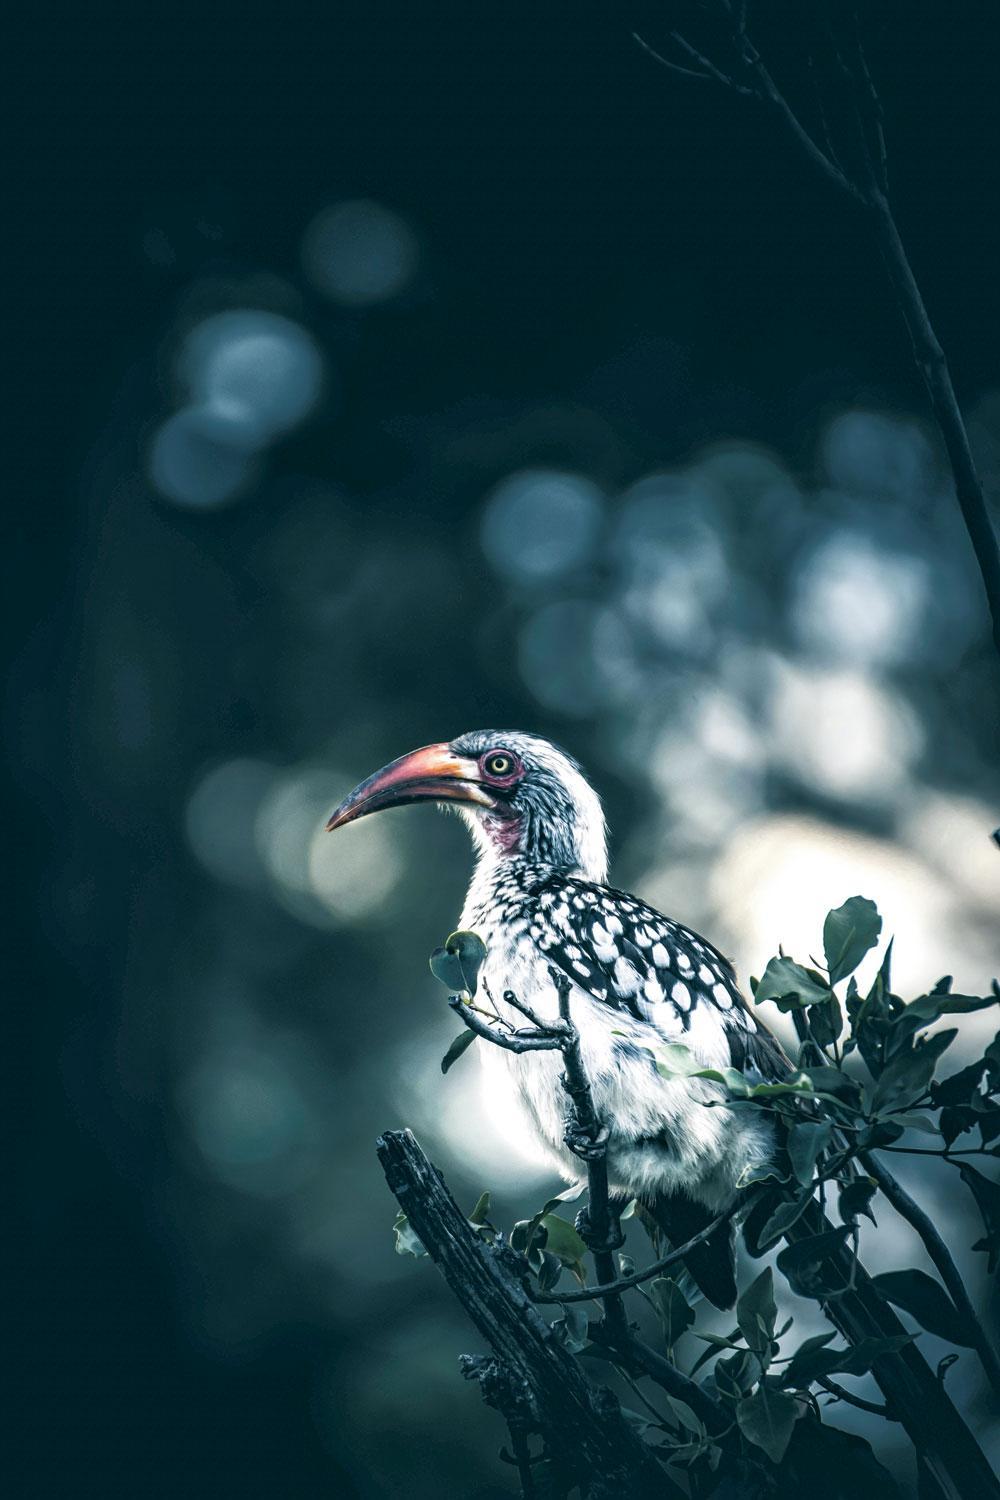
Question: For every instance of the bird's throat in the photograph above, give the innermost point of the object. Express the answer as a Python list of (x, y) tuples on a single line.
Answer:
[(503, 834)]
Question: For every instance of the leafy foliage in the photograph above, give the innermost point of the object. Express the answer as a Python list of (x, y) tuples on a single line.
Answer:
[(848, 933), (675, 1312), (461, 1044), (865, 1079), (927, 1301), (406, 1239), (458, 962)]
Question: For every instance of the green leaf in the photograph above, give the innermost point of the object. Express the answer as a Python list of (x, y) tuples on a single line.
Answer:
[(767, 1171), (826, 1022), (685, 1416), (923, 1123), (789, 985), (756, 1312), (926, 1300), (458, 963), (928, 1007), (800, 1370), (813, 1361), (864, 1354), (870, 1017), (848, 933), (406, 1239), (806, 1263), (958, 1088), (767, 1419), (882, 1133), (640, 1422), (549, 1272), (718, 1341), (732, 1080), (461, 1044), (481, 1213), (987, 1196), (923, 1012), (672, 1307), (823, 1463), (906, 1077), (562, 1239), (834, 1081), (992, 1058), (735, 1374), (795, 1083), (571, 1329), (856, 1199), (674, 1060), (784, 1216), (524, 1231), (806, 1140)]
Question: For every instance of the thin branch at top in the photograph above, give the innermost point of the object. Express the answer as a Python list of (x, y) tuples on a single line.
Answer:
[(767, 93), (665, 62), (710, 67)]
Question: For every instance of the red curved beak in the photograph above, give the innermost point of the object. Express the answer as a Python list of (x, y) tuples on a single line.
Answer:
[(432, 774)]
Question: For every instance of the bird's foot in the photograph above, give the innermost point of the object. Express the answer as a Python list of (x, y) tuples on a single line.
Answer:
[(583, 1144), (614, 1239)]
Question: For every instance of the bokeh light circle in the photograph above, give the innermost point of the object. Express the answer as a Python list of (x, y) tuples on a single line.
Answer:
[(359, 253), (255, 366), (539, 524), (202, 458)]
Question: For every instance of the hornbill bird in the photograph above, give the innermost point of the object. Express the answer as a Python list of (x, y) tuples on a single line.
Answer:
[(538, 900)]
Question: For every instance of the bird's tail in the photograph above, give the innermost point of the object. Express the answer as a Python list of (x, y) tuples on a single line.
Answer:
[(712, 1264)]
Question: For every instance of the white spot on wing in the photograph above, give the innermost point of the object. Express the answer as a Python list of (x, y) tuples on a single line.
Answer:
[(626, 977)]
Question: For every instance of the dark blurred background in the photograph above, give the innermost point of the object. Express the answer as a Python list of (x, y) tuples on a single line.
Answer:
[(392, 371)]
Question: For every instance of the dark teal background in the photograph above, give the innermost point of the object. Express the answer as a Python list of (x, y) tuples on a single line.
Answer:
[(617, 269)]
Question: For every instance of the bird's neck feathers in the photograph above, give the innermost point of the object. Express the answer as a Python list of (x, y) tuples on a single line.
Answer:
[(560, 828)]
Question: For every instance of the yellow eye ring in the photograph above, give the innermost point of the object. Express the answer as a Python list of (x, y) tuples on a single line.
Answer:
[(499, 765)]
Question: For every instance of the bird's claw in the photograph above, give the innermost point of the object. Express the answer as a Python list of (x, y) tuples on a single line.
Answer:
[(614, 1239), (584, 1145)]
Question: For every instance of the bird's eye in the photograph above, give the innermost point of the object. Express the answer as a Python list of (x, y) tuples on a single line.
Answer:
[(499, 764)]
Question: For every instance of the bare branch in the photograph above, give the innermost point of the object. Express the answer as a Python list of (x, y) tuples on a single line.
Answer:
[(773, 94), (665, 62), (710, 67), (512, 1041), (614, 1330), (767, 92), (874, 106), (583, 1426), (853, 89), (588, 1293), (877, 1408), (918, 1219), (667, 1376), (555, 1027)]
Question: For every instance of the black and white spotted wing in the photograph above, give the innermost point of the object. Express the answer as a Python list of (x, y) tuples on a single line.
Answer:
[(633, 959)]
